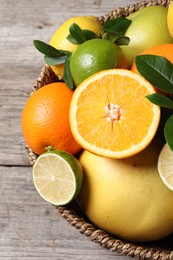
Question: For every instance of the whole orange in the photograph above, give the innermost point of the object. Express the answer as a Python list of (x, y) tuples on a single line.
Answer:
[(164, 50), (45, 119)]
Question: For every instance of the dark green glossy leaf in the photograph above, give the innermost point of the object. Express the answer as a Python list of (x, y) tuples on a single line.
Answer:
[(78, 36), (165, 114), (71, 39), (54, 60), (168, 132), (118, 25), (67, 74), (122, 41), (160, 100), (157, 70), (114, 30), (89, 34), (49, 50), (77, 33), (113, 37)]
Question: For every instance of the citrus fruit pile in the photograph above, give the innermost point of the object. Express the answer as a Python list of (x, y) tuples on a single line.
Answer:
[(96, 131)]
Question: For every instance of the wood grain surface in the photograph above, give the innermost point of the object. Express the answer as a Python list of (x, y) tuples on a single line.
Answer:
[(30, 228)]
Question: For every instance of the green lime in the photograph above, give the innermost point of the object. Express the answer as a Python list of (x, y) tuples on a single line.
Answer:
[(93, 56), (165, 166), (57, 176)]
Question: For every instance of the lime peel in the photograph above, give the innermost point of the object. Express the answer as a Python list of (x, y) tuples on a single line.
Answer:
[(58, 177), (165, 166)]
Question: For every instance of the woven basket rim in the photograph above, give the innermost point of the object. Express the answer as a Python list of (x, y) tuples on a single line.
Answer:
[(152, 250)]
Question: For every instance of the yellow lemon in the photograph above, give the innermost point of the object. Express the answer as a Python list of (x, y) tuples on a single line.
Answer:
[(126, 197), (59, 38), (170, 18)]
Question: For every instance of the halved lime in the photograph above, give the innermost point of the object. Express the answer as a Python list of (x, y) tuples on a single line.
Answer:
[(165, 166), (57, 176)]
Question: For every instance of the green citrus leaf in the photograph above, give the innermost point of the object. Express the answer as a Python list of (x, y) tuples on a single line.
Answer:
[(71, 39), (122, 41), (49, 50), (118, 25), (67, 74), (160, 100), (112, 37), (168, 130), (89, 34), (114, 30), (54, 60), (157, 70), (77, 34)]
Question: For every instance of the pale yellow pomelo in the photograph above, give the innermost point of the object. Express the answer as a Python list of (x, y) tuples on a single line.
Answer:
[(59, 38), (126, 197), (148, 28)]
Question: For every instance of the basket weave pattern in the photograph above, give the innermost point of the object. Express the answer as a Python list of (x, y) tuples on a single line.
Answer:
[(160, 250)]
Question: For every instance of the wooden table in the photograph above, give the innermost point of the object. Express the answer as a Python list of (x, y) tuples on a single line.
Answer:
[(30, 228)]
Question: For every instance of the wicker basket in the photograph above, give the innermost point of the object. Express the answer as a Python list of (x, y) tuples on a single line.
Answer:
[(162, 249)]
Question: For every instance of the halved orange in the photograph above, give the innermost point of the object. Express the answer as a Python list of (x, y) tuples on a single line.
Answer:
[(110, 115)]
